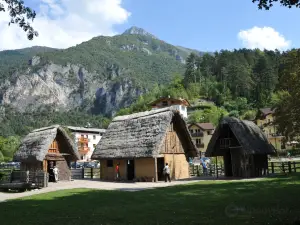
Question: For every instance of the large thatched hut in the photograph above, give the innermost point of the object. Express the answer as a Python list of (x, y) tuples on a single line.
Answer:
[(45, 147), (244, 147), (143, 142)]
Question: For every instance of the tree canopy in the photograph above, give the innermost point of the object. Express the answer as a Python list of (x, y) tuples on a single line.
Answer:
[(20, 15), (267, 4)]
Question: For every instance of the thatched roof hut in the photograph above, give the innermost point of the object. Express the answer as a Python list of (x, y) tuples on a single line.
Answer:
[(141, 135), (34, 147), (249, 136), (142, 143)]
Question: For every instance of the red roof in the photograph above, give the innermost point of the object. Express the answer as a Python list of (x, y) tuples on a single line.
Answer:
[(204, 126), (267, 111)]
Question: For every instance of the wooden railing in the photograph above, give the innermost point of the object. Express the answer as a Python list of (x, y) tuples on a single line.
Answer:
[(86, 173), (284, 167)]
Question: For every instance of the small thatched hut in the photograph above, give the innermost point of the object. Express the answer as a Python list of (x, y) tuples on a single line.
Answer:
[(143, 142), (244, 147), (47, 146)]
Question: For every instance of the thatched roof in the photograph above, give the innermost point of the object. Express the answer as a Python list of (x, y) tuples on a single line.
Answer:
[(142, 134), (35, 145), (250, 137)]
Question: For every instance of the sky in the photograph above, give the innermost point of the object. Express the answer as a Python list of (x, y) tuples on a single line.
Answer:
[(205, 25)]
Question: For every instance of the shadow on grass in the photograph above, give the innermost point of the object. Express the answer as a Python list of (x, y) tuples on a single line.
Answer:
[(270, 201)]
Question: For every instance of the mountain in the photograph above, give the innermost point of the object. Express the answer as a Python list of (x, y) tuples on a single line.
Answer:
[(99, 76)]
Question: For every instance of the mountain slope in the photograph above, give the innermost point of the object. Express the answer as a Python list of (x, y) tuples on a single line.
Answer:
[(100, 76)]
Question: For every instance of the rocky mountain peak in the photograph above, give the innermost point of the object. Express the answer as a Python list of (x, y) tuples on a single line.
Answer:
[(139, 31)]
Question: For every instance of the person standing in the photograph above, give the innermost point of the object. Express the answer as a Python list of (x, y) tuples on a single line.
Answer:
[(118, 171), (166, 172), (55, 171), (204, 167)]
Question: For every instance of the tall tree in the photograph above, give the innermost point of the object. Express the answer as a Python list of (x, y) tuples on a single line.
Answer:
[(20, 15), (267, 4), (287, 103)]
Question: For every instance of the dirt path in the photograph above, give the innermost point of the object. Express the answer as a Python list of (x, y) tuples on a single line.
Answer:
[(92, 184)]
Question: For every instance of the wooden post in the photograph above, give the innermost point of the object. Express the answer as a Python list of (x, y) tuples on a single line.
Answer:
[(217, 166), (272, 167), (82, 173), (294, 165), (92, 174), (155, 169), (289, 166)]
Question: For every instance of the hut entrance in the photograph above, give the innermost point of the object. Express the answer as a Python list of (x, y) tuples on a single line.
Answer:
[(228, 164), (50, 168), (160, 167), (130, 169)]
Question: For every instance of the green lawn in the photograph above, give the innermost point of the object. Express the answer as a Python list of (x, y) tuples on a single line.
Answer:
[(269, 201)]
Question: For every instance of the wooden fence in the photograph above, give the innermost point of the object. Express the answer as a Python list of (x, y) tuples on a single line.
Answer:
[(284, 167), (86, 173), (273, 168)]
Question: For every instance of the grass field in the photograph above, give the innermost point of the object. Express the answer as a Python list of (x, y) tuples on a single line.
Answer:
[(269, 201)]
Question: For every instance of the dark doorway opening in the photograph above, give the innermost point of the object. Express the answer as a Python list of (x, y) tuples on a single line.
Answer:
[(50, 168), (130, 169), (228, 164), (160, 167)]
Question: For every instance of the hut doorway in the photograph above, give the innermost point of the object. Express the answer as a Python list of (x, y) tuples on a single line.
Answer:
[(228, 164), (130, 169), (160, 167), (50, 168)]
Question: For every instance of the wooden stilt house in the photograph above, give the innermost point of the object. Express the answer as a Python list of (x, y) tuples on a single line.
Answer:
[(244, 148), (47, 146), (143, 142)]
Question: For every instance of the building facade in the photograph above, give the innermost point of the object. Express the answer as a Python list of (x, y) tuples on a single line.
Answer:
[(86, 140), (177, 104), (201, 134), (265, 121)]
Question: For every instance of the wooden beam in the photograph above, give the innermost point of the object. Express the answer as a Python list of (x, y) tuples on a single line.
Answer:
[(155, 169)]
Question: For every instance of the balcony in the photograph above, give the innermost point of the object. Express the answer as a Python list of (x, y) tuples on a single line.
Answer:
[(83, 140), (83, 150), (198, 145), (199, 134), (275, 135)]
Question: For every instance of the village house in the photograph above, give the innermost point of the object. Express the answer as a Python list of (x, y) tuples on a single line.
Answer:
[(86, 140), (244, 147), (265, 120), (45, 146), (143, 142), (178, 104), (201, 134)]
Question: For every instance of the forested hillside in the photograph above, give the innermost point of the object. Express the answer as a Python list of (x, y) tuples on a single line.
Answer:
[(238, 82)]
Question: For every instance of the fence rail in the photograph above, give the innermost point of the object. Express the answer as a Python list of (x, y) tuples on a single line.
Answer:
[(284, 167), (86, 173)]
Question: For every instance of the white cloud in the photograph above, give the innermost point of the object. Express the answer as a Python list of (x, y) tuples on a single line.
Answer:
[(263, 38), (65, 23)]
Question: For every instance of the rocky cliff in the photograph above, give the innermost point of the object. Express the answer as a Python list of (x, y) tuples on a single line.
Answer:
[(99, 76)]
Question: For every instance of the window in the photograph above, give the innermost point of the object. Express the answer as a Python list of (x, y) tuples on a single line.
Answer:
[(198, 141), (192, 131), (94, 137), (209, 132), (109, 163)]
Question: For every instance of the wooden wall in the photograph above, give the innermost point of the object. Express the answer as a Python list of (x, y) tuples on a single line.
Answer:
[(173, 151)]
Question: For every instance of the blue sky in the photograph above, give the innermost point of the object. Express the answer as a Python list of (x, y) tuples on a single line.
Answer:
[(206, 25)]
